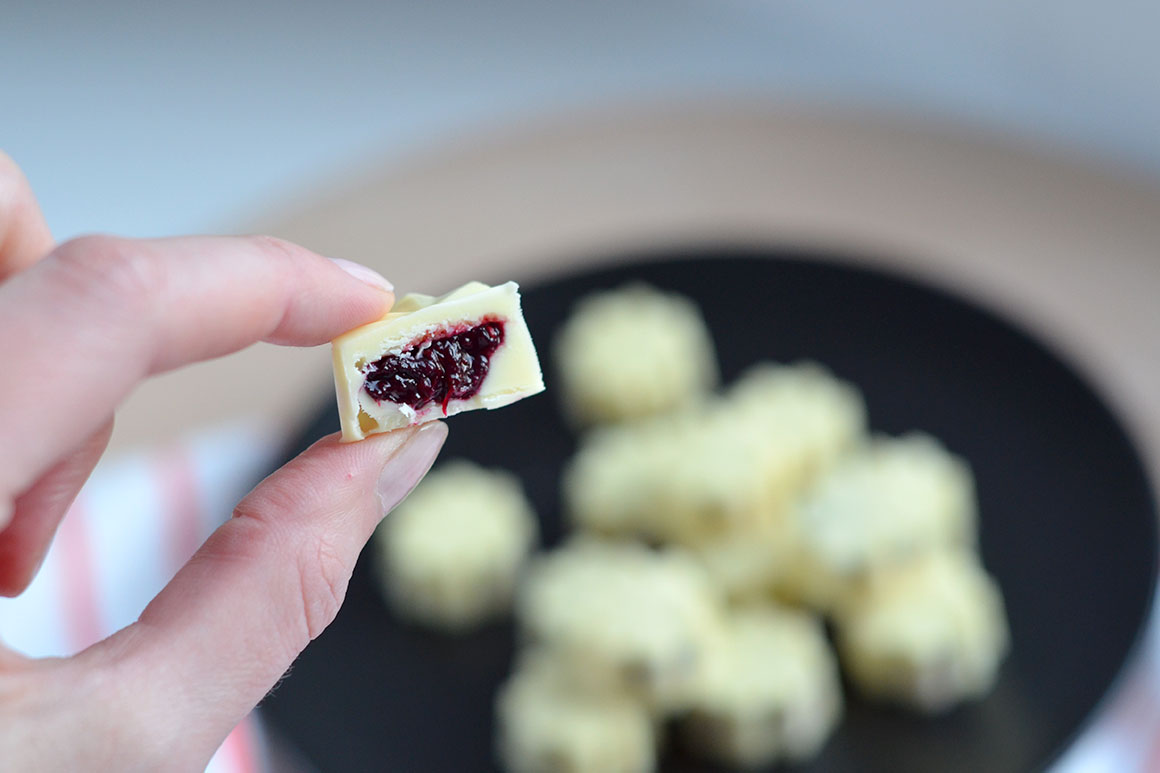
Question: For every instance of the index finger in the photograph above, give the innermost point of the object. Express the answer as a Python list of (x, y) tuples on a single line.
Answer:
[(83, 326)]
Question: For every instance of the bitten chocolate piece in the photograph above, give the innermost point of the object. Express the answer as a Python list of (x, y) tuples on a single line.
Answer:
[(435, 357)]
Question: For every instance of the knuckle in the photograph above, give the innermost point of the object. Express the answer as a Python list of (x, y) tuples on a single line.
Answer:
[(278, 248), (291, 260), (245, 539), (109, 269), (263, 504)]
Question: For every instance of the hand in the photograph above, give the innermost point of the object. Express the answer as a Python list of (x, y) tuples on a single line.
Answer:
[(80, 324)]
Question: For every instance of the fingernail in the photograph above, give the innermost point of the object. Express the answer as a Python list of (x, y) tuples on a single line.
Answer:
[(409, 464), (364, 274)]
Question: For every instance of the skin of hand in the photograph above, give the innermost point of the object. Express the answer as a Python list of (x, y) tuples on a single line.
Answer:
[(81, 323)]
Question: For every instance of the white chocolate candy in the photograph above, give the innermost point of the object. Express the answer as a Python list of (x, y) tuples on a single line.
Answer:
[(449, 556), (631, 352), (771, 691), (747, 564), (722, 467), (413, 324), (623, 615), (549, 724), (885, 504), (680, 478), (805, 418), (928, 634)]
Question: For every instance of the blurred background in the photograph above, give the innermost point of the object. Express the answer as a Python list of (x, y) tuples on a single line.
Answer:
[(1007, 151), (145, 121)]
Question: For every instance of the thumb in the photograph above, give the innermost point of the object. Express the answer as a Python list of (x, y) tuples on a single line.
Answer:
[(222, 633)]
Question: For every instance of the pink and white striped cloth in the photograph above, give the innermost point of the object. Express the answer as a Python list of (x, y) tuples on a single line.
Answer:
[(138, 519), (142, 516)]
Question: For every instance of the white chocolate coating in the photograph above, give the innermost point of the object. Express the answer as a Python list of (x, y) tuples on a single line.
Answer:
[(623, 615), (631, 352), (886, 503), (514, 371), (450, 554), (680, 478), (748, 564), (805, 419), (720, 467), (771, 691), (547, 725), (928, 634)]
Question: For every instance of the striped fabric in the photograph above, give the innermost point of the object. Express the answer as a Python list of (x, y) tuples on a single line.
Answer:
[(135, 523), (142, 516)]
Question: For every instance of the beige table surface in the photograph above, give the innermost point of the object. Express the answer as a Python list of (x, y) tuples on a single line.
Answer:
[(1070, 250)]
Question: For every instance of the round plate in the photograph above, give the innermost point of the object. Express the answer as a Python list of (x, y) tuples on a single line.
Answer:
[(1067, 519)]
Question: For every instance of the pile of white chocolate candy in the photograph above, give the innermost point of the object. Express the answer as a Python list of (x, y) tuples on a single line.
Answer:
[(714, 532)]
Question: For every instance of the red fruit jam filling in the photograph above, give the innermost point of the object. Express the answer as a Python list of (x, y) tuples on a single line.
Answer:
[(435, 370)]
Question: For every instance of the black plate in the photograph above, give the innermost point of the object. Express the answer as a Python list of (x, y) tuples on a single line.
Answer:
[(1068, 523)]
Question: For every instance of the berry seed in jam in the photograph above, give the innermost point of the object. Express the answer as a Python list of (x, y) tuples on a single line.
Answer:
[(451, 367)]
